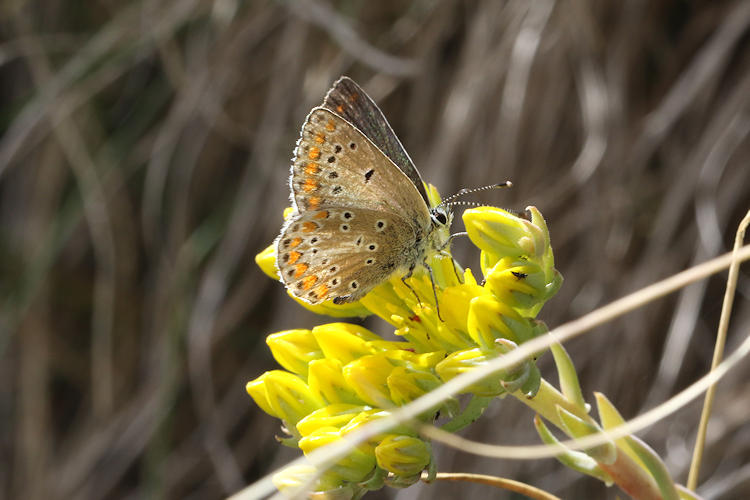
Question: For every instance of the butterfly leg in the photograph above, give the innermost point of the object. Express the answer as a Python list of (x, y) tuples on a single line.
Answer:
[(406, 277), (434, 289), (462, 233), (442, 251), (455, 269)]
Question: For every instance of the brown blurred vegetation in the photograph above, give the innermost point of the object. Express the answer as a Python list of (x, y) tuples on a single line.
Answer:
[(143, 163)]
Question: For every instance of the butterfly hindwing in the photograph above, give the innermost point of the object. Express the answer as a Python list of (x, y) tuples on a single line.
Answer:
[(348, 100), (341, 254)]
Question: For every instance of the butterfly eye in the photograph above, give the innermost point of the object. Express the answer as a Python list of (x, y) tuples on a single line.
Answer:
[(441, 218)]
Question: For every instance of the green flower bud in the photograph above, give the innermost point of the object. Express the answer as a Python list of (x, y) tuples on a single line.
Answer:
[(498, 232), (403, 456), (292, 479)]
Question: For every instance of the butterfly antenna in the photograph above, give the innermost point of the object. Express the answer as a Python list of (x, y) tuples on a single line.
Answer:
[(447, 201), (463, 203)]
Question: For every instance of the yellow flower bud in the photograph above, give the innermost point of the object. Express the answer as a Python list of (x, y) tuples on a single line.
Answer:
[(486, 321), (406, 385), (289, 397), (343, 341), (354, 467), (470, 359), (294, 349), (327, 382), (334, 415), (368, 377), (266, 261), (257, 390)]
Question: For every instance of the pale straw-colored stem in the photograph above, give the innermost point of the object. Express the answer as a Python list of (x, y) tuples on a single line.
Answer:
[(726, 311)]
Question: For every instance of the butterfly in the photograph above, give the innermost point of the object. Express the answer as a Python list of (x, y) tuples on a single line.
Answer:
[(361, 214)]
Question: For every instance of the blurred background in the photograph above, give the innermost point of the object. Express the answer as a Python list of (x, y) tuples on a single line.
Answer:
[(144, 158)]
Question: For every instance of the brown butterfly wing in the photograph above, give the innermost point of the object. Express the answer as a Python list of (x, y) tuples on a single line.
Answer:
[(343, 253), (335, 165), (348, 100)]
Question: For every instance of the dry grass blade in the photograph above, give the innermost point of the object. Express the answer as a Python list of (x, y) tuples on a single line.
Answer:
[(721, 336)]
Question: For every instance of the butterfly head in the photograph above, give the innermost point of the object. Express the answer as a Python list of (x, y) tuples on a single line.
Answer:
[(441, 217)]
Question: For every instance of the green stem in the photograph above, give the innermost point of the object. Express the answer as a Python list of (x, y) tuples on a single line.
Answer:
[(546, 401), (625, 472)]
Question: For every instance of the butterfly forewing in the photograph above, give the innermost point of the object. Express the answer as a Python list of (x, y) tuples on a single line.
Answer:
[(342, 253), (348, 100), (335, 165)]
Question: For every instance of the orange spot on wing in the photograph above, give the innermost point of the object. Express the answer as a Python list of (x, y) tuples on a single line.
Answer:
[(309, 226), (320, 138), (296, 241), (309, 185), (321, 291), (314, 153), (294, 256), (321, 215), (354, 97), (300, 269), (312, 169), (309, 281), (340, 108), (330, 126), (313, 203)]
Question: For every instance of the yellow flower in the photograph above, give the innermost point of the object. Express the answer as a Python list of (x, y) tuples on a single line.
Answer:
[(342, 376)]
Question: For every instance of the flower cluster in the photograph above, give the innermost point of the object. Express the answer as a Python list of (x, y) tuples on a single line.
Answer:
[(338, 377)]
